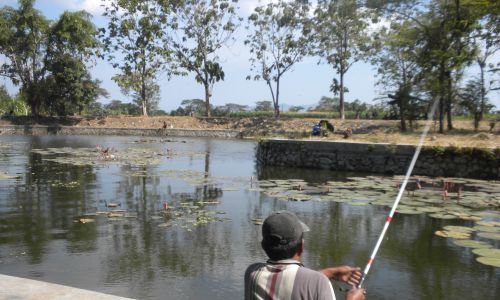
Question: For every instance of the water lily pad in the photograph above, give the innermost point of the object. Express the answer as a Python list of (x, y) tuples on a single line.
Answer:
[(490, 261), (408, 211), (4, 176), (458, 229), (452, 234), (488, 223), (85, 220), (490, 252), (489, 235), (472, 244), (487, 229), (470, 218), (430, 209), (442, 216)]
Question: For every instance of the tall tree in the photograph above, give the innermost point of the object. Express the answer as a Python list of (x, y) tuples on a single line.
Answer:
[(23, 40), (278, 39), (69, 87), (397, 67), (341, 39), (49, 59), (474, 101), (486, 38), (137, 43), (263, 105), (205, 26)]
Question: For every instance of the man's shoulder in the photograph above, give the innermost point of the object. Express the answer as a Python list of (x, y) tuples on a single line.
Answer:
[(311, 278), (254, 267), (312, 274)]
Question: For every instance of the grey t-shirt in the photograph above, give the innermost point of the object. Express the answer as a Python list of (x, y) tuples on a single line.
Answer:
[(286, 279)]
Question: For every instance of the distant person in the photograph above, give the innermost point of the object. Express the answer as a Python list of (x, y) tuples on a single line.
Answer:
[(283, 276)]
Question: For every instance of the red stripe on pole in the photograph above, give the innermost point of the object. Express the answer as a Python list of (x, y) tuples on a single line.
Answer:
[(389, 219), (370, 261)]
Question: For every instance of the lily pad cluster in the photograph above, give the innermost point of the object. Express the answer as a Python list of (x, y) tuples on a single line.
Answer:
[(188, 215), (68, 185), (481, 238), (96, 156), (379, 190)]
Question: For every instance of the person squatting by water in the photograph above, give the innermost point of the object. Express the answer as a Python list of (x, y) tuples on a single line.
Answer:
[(283, 276)]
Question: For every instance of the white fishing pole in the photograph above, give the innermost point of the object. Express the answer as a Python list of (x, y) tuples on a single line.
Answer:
[(400, 194)]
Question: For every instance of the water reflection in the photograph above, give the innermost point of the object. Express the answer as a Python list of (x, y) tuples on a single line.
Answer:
[(148, 256)]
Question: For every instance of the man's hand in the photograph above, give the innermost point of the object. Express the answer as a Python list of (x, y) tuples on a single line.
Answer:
[(355, 294), (345, 274)]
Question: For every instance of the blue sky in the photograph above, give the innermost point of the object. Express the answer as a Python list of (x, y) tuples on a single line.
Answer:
[(304, 85)]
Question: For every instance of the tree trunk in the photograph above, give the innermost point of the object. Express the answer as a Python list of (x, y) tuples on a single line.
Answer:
[(207, 100), (482, 109), (441, 98), (143, 99), (449, 100), (341, 98), (402, 108), (277, 103)]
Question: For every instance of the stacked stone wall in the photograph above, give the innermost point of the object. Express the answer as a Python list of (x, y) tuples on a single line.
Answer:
[(380, 158)]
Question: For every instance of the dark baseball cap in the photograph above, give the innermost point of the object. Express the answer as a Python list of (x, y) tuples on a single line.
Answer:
[(282, 227)]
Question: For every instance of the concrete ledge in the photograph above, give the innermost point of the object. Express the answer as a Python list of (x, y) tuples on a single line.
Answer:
[(21, 288), (70, 130)]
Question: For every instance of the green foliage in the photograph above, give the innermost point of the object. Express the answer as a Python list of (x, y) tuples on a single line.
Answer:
[(263, 106), (136, 42), (471, 100), (116, 107), (207, 26), (48, 59), (295, 108), (229, 109), (278, 39), (341, 39)]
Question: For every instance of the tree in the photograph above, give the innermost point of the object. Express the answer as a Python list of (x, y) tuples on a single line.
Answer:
[(205, 27), (278, 40), (295, 108), (69, 87), (263, 106), (486, 38), (341, 38), (23, 42), (472, 99), (396, 59), (136, 42), (48, 60), (193, 107), (116, 107), (327, 104)]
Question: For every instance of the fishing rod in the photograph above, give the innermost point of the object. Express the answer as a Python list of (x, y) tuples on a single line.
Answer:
[(398, 197)]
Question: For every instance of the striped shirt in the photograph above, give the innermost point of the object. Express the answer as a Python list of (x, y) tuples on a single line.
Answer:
[(284, 280)]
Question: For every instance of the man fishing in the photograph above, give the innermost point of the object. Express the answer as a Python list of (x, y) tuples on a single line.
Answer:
[(283, 276)]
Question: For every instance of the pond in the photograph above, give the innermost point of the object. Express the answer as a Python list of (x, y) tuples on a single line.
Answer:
[(179, 218)]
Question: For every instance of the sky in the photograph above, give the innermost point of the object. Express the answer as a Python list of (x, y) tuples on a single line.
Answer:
[(304, 85)]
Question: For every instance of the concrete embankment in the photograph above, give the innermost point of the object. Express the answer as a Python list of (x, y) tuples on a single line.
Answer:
[(27, 289), (380, 158), (70, 130)]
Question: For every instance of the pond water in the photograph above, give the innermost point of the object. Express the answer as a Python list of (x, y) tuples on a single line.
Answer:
[(179, 219)]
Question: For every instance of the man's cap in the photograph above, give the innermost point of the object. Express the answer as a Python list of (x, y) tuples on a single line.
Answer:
[(282, 227)]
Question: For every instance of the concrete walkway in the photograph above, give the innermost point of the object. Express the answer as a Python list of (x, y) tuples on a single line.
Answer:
[(14, 288)]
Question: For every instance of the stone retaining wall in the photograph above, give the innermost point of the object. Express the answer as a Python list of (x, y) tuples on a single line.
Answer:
[(69, 130), (380, 158)]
